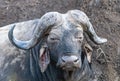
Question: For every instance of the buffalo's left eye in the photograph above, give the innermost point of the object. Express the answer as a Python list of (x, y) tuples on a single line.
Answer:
[(80, 38)]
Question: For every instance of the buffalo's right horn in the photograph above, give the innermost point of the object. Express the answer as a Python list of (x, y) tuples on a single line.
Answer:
[(44, 25)]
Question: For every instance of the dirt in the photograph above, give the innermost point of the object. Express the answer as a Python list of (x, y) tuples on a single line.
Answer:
[(103, 14)]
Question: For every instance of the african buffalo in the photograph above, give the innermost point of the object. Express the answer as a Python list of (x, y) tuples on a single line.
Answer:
[(48, 49)]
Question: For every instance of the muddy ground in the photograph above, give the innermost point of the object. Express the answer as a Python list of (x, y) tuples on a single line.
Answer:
[(104, 15)]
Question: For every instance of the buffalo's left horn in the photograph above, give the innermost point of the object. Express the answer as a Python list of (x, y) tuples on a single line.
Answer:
[(44, 25), (82, 19), (91, 32)]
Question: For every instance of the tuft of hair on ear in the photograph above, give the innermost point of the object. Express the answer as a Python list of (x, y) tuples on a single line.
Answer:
[(44, 58), (87, 50)]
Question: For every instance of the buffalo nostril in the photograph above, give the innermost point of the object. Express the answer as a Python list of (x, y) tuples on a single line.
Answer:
[(63, 60), (76, 60), (71, 59)]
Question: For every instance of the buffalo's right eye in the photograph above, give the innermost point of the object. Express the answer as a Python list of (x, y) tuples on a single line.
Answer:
[(53, 38)]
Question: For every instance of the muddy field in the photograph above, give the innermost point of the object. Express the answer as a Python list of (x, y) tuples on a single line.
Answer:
[(104, 15)]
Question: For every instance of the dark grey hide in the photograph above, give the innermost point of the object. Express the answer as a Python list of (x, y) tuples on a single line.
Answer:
[(23, 65), (57, 48), (54, 73), (54, 52)]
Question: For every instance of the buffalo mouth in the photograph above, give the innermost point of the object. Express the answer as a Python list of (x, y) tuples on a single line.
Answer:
[(69, 68), (68, 74)]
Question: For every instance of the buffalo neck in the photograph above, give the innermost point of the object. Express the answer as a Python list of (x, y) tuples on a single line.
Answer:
[(54, 73)]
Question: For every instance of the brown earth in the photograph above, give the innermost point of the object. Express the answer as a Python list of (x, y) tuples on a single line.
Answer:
[(104, 15)]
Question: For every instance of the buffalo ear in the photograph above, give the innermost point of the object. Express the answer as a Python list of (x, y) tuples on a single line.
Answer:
[(44, 58), (88, 51)]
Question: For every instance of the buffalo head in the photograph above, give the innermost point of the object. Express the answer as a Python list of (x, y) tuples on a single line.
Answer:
[(61, 36), (65, 46)]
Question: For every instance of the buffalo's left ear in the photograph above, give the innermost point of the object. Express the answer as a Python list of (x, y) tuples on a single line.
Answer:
[(88, 51), (44, 58)]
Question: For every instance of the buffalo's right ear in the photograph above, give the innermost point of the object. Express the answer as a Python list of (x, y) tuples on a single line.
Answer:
[(44, 58), (88, 51)]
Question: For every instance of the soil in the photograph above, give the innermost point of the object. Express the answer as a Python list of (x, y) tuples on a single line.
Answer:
[(103, 14)]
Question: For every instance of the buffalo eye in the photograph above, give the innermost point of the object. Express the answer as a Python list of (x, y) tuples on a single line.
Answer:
[(79, 36), (53, 38), (80, 39)]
